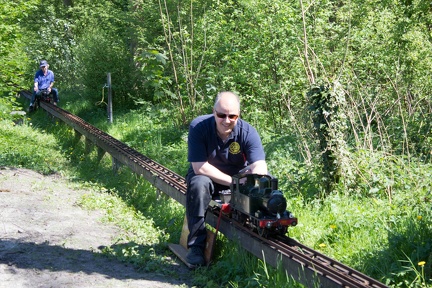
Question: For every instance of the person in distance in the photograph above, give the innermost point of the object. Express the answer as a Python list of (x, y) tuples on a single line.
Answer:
[(44, 79), (219, 146)]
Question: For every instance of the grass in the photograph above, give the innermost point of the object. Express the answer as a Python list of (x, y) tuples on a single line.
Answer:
[(29, 146), (379, 224)]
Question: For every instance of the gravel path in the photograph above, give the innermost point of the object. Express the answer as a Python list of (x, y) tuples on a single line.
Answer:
[(46, 240)]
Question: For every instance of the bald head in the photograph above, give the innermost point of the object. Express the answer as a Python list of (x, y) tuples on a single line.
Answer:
[(227, 100)]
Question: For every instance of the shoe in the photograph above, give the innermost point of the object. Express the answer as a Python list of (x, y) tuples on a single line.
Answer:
[(30, 108), (55, 103), (195, 256)]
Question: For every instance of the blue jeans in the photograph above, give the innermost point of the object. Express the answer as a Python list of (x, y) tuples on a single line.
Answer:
[(54, 92)]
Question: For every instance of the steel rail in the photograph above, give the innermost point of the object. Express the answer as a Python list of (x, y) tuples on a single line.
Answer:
[(305, 265), (348, 276)]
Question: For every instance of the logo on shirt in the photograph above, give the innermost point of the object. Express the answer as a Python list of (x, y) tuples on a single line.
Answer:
[(234, 148)]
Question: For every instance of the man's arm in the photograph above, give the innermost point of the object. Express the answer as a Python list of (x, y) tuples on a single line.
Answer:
[(205, 168), (36, 86), (258, 167), (51, 82)]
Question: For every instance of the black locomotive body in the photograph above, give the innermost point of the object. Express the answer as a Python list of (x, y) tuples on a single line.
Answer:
[(256, 202)]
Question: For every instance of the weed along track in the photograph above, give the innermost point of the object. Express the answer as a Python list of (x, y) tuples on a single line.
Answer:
[(305, 265)]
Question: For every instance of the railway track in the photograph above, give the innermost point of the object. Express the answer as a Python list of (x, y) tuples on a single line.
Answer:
[(305, 265)]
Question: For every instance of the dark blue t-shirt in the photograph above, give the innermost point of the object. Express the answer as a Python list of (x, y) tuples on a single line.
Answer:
[(44, 81), (243, 146)]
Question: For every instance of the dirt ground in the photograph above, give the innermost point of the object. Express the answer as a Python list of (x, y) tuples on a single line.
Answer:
[(46, 240)]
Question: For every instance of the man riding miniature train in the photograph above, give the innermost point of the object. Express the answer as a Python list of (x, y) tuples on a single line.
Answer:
[(219, 146), (44, 80)]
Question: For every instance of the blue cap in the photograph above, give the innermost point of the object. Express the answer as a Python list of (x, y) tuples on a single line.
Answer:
[(43, 63)]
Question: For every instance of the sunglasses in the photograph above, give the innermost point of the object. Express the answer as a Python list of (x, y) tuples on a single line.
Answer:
[(232, 117)]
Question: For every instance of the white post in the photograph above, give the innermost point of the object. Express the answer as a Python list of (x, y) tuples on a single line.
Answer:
[(110, 112)]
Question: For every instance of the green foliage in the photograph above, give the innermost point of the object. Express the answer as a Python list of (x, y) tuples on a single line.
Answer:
[(49, 36), (181, 55), (386, 89), (97, 55), (253, 55), (12, 45), (386, 176), (410, 241), (327, 106), (155, 82), (296, 177), (10, 109)]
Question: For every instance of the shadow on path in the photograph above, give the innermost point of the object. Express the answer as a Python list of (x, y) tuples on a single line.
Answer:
[(42, 257)]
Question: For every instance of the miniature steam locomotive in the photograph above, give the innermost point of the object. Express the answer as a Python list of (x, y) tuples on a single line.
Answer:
[(41, 95), (255, 201)]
